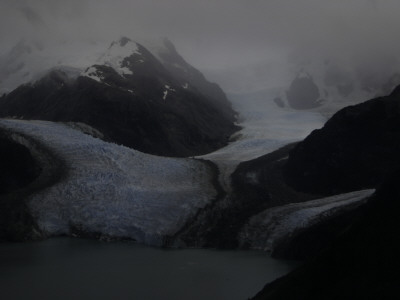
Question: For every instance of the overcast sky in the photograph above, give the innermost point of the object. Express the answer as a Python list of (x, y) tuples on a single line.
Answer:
[(213, 33)]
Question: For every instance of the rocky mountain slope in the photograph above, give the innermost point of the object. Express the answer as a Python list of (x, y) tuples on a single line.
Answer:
[(303, 93), (163, 107), (355, 149)]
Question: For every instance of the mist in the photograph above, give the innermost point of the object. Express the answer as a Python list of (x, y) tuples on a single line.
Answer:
[(217, 35)]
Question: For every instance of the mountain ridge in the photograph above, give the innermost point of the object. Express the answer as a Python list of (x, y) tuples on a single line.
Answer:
[(134, 100)]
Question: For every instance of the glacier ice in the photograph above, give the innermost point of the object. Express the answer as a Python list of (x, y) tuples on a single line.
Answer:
[(113, 190), (266, 229)]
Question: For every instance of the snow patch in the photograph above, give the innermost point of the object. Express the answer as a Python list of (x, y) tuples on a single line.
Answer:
[(116, 54), (252, 177), (93, 73), (167, 89), (165, 94)]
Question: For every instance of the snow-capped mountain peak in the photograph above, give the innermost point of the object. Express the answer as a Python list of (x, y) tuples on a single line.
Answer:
[(129, 94), (116, 54), (29, 59), (116, 58)]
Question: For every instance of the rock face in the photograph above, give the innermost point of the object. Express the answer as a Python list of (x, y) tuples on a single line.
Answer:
[(17, 166), (18, 169), (303, 93), (361, 264), (355, 149), (134, 99), (190, 76)]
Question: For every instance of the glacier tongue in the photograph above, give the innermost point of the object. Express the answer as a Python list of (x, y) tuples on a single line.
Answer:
[(268, 228), (114, 190)]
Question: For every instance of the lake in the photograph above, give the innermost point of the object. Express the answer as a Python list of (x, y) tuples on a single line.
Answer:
[(68, 268)]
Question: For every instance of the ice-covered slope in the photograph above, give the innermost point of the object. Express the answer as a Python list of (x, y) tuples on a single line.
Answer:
[(28, 61), (265, 128), (268, 228), (113, 190)]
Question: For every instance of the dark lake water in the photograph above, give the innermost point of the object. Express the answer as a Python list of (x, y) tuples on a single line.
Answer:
[(66, 268)]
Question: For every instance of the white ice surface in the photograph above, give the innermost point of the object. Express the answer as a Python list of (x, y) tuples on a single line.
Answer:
[(166, 91), (116, 54), (115, 190), (267, 228), (93, 73), (266, 128)]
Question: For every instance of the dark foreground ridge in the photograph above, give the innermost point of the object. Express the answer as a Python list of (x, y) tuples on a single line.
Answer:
[(355, 149), (23, 172), (361, 264)]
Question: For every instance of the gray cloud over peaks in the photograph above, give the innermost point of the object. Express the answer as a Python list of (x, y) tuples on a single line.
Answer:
[(214, 33)]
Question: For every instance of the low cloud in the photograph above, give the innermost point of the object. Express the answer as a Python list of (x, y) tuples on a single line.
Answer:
[(215, 34)]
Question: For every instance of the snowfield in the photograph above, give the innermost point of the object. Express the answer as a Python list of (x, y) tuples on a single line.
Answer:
[(114, 190), (265, 230), (265, 128)]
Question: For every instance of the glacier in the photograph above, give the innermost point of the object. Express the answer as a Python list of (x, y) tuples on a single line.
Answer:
[(265, 230), (265, 128), (113, 190)]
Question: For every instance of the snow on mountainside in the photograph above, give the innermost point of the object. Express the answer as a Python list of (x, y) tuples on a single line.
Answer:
[(113, 190), (29, 60), (133, 98), (115, 57)]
